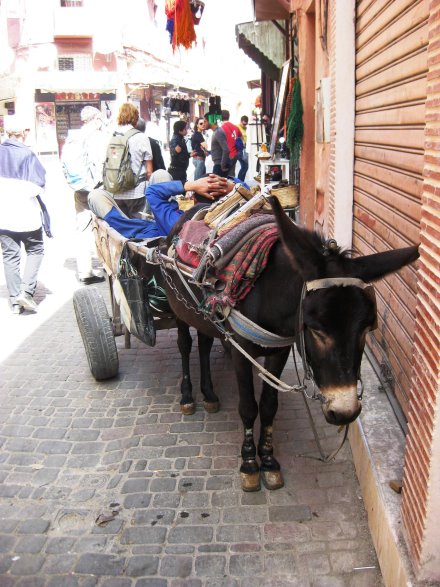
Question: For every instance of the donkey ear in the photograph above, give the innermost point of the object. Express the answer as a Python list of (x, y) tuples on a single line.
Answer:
[(301, 246), (376, 266)]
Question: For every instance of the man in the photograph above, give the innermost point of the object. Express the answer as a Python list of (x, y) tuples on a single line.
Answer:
[(243, 157), (179, 152), (22, 179), (166, 211), (232, 133), (156, 151), (90, 140), (219, 148)]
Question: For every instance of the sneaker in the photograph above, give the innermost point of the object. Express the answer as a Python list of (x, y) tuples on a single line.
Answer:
[(26, 301), (16, 309)]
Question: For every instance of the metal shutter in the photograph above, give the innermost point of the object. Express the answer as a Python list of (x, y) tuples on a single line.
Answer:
[(391, 79)]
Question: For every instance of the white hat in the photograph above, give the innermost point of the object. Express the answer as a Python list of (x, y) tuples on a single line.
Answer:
[(16, 124), (88, 113)]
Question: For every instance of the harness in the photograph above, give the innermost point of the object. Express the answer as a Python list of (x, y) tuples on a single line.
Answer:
[(251, 331)]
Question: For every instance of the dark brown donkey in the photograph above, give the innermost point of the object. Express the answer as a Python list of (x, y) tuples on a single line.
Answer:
[(312, 292)]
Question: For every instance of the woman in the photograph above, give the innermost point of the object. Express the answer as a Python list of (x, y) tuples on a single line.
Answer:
[(132, 202), (199, 149), (179, 152)]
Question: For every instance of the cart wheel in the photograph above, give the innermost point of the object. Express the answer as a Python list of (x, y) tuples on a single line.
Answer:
[(96, 330)]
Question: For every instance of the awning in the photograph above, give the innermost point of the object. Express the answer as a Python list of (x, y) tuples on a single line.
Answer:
[(271, 9), (263, 43)]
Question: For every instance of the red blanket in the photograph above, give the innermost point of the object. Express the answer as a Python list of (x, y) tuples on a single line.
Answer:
[(240, 275)]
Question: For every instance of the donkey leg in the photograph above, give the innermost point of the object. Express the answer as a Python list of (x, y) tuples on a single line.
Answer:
[(270, 468), (248, 410), (184, 342), (211, 401)]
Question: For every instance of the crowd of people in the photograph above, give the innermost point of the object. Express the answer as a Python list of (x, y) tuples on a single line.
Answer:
[(142, 209)]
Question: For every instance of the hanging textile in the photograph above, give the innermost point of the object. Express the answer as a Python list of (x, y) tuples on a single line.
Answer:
[(180, 23), (288, 106), (295, 126)]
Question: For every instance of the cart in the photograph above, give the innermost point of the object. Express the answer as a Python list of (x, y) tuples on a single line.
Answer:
[(98, 329)]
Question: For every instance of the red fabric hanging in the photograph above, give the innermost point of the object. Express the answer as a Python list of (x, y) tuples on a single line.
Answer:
[(179, 11)]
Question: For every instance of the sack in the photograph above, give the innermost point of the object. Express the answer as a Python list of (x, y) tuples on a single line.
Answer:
[(45, 218), (75, 163), (133, 300), (239, 144), (118, 175)]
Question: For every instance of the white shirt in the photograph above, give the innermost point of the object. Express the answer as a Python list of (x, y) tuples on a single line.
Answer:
[(19, 208)]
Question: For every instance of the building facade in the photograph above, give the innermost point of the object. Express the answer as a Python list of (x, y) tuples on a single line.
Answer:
[(370, 178)]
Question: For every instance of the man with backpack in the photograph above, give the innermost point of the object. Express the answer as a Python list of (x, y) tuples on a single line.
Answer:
[(128, 163), (82, 158)]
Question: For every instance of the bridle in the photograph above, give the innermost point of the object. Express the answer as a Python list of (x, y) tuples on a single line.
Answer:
[(315, 285)]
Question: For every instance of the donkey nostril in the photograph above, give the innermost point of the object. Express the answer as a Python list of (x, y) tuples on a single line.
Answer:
[(331, 416)]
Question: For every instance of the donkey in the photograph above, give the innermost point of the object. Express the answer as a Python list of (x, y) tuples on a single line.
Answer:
[(309, 291)]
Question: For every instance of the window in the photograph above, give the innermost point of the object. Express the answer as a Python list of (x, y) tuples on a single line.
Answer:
[(80, 62), (71, 3)]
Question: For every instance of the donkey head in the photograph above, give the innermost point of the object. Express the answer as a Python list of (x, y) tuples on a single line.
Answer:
[(337, 310)]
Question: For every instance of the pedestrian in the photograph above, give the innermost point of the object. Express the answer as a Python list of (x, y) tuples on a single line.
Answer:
[(219, 147), (179, 152), (22, 179), (132, 202), (83, 158), (156, 151), (243, 157), (232, 133), (199, 149)]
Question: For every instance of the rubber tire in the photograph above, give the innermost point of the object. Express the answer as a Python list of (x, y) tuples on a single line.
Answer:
[(96, 330)]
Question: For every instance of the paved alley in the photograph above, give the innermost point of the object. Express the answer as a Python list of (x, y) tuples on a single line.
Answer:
[(107, 484)]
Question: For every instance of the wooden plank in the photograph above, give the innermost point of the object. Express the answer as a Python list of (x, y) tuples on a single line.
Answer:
[(398, 212), (400, 72), (379, 22), (402, 93), (408, 162), (367, 241), (410, 114), (398, 137), (409, 188), (383, 52)]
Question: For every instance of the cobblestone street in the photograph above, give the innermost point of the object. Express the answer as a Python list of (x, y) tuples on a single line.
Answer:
[(107, 484)]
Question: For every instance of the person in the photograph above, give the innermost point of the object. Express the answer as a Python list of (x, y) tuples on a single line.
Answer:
[(243, 157), (93, 141), (179, 152), (156, 151), (166, 211), (22, 179), (232, 133), (199, 149), (132, 201), (219, 147)]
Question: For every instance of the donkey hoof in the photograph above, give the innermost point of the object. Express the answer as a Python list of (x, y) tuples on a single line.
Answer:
[(211, 407), (272, 479), (250, 481), (188, 409)]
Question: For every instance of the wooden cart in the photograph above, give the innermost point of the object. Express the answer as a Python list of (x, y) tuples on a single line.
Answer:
[(98, 329)]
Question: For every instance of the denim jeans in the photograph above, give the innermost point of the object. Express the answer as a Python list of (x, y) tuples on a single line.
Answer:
[(11, 249), (200, 168), (243, 159)]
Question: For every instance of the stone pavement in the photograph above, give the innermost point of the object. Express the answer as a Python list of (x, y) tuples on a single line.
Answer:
[(107, 484)]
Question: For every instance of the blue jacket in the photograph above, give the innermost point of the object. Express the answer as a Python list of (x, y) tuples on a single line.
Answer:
[(132, 227), (165, 211)]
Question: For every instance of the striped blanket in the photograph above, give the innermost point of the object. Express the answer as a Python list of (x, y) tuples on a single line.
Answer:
[(242, 271)]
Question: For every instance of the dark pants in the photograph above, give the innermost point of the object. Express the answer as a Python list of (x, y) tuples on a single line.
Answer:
[(11, 249), (178, 173), (217, 169)]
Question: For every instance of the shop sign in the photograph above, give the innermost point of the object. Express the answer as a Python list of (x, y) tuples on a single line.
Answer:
[(76, 96)]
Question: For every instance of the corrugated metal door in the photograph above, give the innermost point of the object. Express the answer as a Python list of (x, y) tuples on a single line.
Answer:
[(391, 79)]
